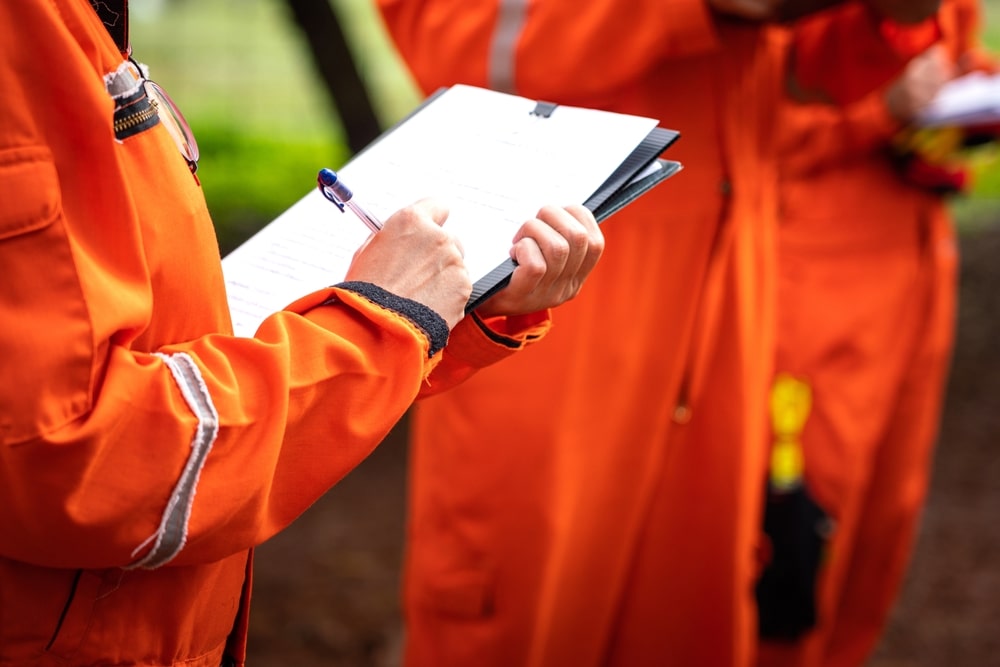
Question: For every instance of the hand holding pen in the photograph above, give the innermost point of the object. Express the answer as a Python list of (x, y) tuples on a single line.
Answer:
[(334, 189), (413, 257), (554, 253)]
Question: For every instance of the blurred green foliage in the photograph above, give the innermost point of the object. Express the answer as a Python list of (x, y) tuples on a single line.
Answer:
[(982, 205), (249, 178)]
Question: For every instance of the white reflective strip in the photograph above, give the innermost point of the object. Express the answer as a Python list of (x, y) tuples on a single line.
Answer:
[(171, 536), (511, 15)]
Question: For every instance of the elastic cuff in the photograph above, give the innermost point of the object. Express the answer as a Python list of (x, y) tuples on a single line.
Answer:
[(478, 343), (494, 336), (424, 318), (514, 330)]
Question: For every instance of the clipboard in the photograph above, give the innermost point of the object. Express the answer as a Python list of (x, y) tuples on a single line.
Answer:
[(639, 173), (474, 143), (633, 180)]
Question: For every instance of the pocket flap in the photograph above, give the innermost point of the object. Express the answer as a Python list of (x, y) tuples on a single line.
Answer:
[(29, 190)]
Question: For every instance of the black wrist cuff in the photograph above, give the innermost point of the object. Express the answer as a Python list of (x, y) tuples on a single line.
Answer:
[(428, 321)]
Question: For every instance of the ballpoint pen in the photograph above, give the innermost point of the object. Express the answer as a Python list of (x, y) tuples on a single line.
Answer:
[(334, 189)]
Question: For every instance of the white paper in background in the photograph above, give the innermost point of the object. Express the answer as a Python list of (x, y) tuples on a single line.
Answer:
[(973, 99), (481, 152)]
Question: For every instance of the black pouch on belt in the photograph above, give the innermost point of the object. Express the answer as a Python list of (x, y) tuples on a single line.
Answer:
[(798, 530)]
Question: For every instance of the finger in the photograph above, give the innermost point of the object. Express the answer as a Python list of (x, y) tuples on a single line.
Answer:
[(458, 244), (531, 266), (966, 63), (433, 208), (595, 237), (577, 225), (552, 243), (426, 210)]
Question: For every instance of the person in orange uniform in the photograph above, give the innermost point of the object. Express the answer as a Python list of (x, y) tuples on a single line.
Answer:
[(597, 502), (866, 302), (145, 450)]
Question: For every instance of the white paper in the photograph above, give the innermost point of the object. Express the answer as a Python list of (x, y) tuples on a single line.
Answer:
[(481, 152), (973, 99)]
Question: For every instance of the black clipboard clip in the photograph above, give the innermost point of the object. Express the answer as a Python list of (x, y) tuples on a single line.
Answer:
[(544, 109)]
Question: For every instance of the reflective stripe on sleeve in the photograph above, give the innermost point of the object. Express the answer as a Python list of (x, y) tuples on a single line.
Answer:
[(510, 22), (171, 536)]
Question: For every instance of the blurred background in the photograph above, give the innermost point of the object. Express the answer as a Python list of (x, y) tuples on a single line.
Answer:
[(246, 77), (267, 114)]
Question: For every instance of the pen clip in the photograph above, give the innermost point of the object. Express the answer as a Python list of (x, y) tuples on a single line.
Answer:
[(326, 180)]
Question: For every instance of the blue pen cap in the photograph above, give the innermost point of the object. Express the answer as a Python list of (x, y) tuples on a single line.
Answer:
[(333, 188)]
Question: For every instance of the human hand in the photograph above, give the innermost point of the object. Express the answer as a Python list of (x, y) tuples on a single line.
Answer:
[(414, 257), (905, 11), (753, 10), (919, 83), (555, 252), (770, 10)]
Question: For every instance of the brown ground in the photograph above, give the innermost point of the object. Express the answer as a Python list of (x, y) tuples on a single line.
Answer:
[(326, 589)]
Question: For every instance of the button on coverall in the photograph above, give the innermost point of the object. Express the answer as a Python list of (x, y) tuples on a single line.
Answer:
[(867, 288), (143, 450)]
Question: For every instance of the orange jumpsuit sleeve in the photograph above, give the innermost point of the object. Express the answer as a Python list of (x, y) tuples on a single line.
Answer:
[(826, 136), (965, 29), (843, 54), (205, 448), (613, 45), (135, 430)]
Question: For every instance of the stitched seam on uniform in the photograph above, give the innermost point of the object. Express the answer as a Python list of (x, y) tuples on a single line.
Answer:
[(511, 16), (171, 536)]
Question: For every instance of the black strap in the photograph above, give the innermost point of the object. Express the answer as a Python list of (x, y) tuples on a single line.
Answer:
[(114, 16)]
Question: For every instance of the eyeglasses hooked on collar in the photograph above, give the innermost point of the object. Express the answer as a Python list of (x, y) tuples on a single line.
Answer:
[(173, 120), (176, 125)]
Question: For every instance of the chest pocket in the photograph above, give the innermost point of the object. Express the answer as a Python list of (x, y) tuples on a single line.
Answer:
[(46, 345)]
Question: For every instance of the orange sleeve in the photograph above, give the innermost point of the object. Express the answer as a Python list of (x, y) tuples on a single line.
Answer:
[(819, 136), (476, 343), (843, 54), (966, 41), (135, 430), (207, 447), (509, 45), (833, 135)]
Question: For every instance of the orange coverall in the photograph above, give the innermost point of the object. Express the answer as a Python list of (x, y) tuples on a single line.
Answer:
[(867, 282), (143, 450), (597, 499)]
